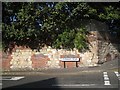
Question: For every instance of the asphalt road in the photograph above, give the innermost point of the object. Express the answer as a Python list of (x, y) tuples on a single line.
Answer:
[(106, 79)]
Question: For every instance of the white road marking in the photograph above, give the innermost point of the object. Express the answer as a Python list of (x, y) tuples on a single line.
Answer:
[(104, 73), (106, 79), (13, 78), (1, 84), (69, 85), (107, 83), (117, 74), (17, 78)]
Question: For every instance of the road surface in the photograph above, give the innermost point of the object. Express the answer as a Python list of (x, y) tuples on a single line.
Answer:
[(105, 79)]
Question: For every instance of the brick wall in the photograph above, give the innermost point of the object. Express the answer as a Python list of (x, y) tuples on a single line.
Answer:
[(39, 62), (6, 61)]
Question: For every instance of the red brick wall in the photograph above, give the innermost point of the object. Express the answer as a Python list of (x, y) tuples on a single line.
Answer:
[(0, 60), (6, 62), (39, 62)]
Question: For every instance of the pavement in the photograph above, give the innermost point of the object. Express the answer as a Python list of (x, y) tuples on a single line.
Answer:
[(107, 66)]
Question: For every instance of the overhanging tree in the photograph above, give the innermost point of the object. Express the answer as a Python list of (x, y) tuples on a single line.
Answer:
[(53, 23)]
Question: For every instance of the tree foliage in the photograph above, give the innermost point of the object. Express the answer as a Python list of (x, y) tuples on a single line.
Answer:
[(54, 23)]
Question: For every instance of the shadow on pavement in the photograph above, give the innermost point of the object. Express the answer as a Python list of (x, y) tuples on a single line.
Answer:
[(48, 83)]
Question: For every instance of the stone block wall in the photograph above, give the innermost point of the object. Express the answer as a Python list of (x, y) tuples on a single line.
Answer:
[(47, 58), (99, 51), (90, 57), (108, 47), (21, 59), (107, 51)]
